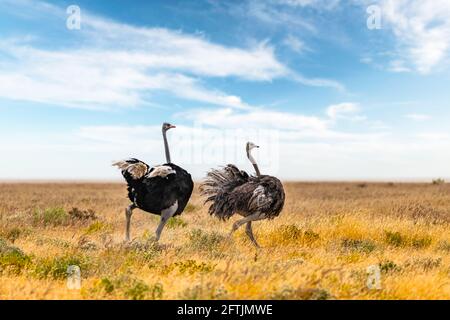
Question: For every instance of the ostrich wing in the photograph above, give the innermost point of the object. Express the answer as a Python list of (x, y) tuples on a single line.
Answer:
[(133, 168)]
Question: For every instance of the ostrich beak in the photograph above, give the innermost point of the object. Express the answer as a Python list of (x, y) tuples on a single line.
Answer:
[(172, 126)]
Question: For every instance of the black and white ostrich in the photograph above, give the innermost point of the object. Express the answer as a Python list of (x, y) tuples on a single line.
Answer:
[(231, 191), (162, 190)]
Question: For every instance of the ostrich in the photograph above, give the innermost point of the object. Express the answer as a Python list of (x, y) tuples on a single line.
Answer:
[(162, 190), (231, 191)]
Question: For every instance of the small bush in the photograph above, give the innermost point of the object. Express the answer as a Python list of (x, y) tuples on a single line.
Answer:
[(12, 234), (394, 238), (146, 250), (137, 290), (444, 246), (365, 246), (82, 215), (426, 264), (388, 266), (12, 259), (56, 267), (192, 266), (292, 233), (201, 240), (176, 222), (130, 288), (51, 216), (362, 185), (438, 181), (421, 242), (97, 226)]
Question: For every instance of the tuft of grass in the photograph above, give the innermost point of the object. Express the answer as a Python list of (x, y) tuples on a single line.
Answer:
[(388, 266), (438, 181), (192, 266), (137, 290), (176, 222), (421, 242), (190, 208), (204, 291), (129, 288), (51, 216), (12, 234), (394, 238), (144, 251), (444, 246), (362, 185), (206, 241), (365, 246), (425, 264), (12, 259), (82, 215), (398, 240), (292, 233), (97, 226), (56, 267)]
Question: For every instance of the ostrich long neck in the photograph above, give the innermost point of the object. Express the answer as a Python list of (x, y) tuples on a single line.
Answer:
[(253, 161), (166, 147)]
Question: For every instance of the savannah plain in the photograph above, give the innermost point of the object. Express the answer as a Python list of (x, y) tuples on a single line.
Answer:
[(318, 248)]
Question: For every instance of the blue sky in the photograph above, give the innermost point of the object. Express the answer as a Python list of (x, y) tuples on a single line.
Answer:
[(326, 97)]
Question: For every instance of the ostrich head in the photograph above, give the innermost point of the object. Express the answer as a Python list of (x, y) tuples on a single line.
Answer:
[(250, 146), (166, 126)]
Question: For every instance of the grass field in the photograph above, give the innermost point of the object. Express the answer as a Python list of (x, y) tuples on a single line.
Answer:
[(319, 248)]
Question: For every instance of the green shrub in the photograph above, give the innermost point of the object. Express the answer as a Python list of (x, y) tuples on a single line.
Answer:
[(51, 216), (12, 234), (56, 267), (293, 233), (201, 240), (438, 181), (388, 266), (97, 226), (394, 238), (419, 242), (192, 266), (138, 290), (425, 264), (176, 222), (82, 215), (12, 259), (130, 288), (365, 246), (444, 246)]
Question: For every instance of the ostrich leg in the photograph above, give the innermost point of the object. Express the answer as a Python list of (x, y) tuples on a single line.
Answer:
[(253, 217), (166, 214), (249, 231), (128, 213)]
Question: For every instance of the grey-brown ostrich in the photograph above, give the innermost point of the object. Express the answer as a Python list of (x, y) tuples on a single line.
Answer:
[(232, 191)]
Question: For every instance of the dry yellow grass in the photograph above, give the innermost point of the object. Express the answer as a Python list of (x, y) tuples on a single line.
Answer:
[(320, 246)]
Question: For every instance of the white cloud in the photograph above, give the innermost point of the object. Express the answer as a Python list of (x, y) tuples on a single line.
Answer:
[(295, 44), (418, 117), (110, 64), (347, 110), (320, 4), (258, 118), (423, 32)]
